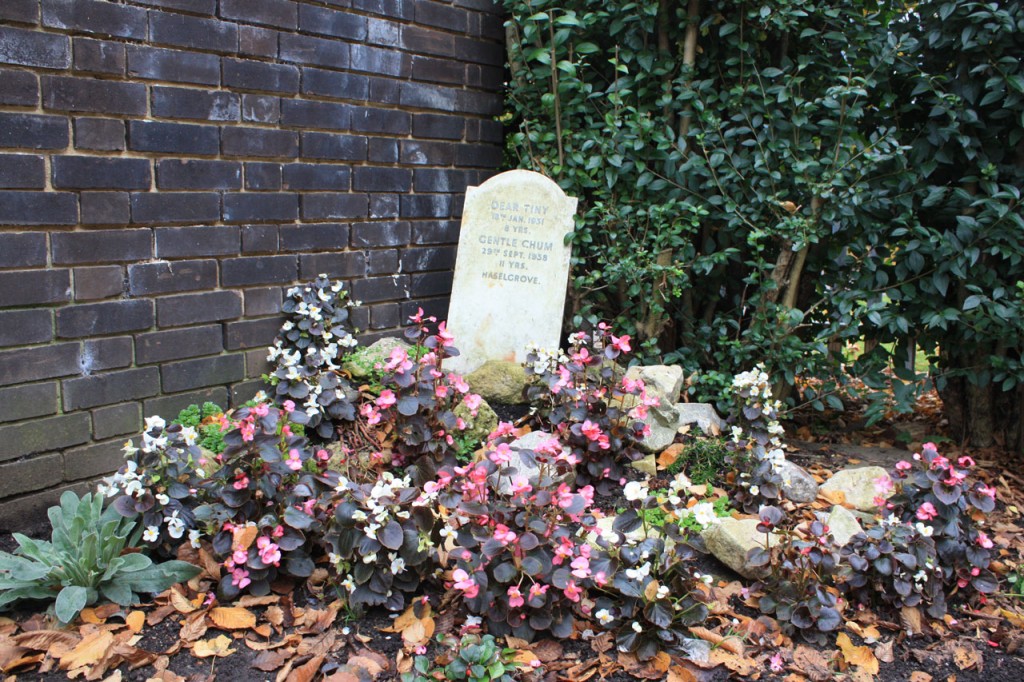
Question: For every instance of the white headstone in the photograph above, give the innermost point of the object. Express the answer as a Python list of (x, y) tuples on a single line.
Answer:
[(511, 270)]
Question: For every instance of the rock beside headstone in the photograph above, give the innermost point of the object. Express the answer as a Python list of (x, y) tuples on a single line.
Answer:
[(499, 381), (525, 463), (730, 539), (361, 366), (797, 484), (663, 381), (858, 485), (842, 524), (480, 426), (703, 415), (664, 423)]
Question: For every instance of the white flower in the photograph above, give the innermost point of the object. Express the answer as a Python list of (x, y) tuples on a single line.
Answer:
[(370, 558), (680, 482), (189, 435), (634, 491), (704, 514), (193, 537), (924, 530), (348, 583), (639, 573), (155, 422), (636, 627), (175, 527), (397, 566), (754, 490), (662, 592), (151, 534), (133, 487), (129, 449), (163, 499), (604, 617), (474, 621)]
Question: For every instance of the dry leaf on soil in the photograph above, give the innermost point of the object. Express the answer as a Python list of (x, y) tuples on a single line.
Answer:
[(860, 656), (89, 651), (920, 676), (219, 646), (812, 663), (232, 618)]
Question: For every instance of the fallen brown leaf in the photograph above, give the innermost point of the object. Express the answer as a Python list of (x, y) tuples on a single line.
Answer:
[(269, 661), (87, 652), (232, 618), (860, 656), (307, 671), (669, 455), (966, 657), (920, 676), (218, 646), (812, 663), (135, 620), (548, 650), (910, 619), (731, 644)]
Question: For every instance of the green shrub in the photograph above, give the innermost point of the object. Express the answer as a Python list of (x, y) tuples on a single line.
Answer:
[(211, 434), (84, 561), (703, 460), (474, 658)]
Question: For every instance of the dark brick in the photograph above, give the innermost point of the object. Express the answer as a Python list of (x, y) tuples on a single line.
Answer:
[(34, 287), (93, 16), (177, 66), (428, 258), (25, 402), (329, 22), (26, 11), (100, 354), (103, 281), (263, 176), (372, 289), (261, 108), (257, 42), (100, 246), (398, 9), (90, 172), (35, 132), (33, 48), (22, 171), (189, 242), (111, 317), (110, 388), (385, 91), (359, 318), (193, 174), (382, 150), (370, 179), (382, 261), (176, 344), (441, 180), (384, 206), (442, 16), (93, 460), (244, 272), (320, 237), (279, 13), (260, 208), (38, 208), (27, 513), (31, 474), (259, 239), (306, 114), (434, 70), (62, 93), (424, 40), (251, 333), (22, 249), (176, 207), (332, 146), (35, 364), (105, 208), (301, 49), (173, 138), (169, 102), (18, 88), (421, 153), (426, 206), (476, 102), (259, 142), (116, 420), (163, 277), (436, 232), (334, 84), (177, 311), (194, 6), (480, 155), (480, 51), (333, 206), (372, 235), (373, 120), (307, 176), (260, 302), (255, 365), (383, 32), (173, 404), (190, 374), (186, 31), (24, 327), (102, 134), (431, 284), (347, 265), (250, 75), (377, 60), (385, 316), (487, 131), (438, 126), (99, 56), (424, 96)]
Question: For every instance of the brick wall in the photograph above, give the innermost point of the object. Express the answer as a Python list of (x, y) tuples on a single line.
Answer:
[(169, 167)]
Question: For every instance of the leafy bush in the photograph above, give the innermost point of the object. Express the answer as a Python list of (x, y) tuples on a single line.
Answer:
[(472, 658), (88, 557), (208, 422), (756, 442), (305, 352), (703, 460), (595, 410)]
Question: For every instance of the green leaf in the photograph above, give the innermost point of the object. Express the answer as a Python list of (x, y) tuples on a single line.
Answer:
[(973, 301), (71, 600)]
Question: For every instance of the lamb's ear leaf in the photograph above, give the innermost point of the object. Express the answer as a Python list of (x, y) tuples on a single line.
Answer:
[(71, 600)]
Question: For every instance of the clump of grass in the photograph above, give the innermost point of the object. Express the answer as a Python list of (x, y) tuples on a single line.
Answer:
[(203, 419), (703, 460)]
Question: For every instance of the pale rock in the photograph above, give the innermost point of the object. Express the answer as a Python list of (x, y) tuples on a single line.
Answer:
[(842, 524), (480, 426), (525, 463), (797, 484), (664, 422), (499, 381), (701, 414), (730, 539), (648, 465), (858, 485), (366, 358), (663, 381)]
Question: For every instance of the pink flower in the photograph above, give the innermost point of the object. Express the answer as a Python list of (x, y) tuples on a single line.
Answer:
[(241, 482), (288, 406), (270, 553), (965, 461), (776, 663), (323, 455), (538, 590), (621, 343), (239, 556), (293, 462), (572, 592), (386, 399), (418, 317), (903, 465), (443, 479), (926, 512), (502, 454), (464, 582), (372, 415), (504, 429), (240, 578), (472, 402), (883, 485), (261, 410), (521, 486), (581, 567), (984, 540), (458, 383), (515, 597), (503, 535), (987, 490), (591, 430), (278, 531), (398, 361), (444, 336), (441, 391)]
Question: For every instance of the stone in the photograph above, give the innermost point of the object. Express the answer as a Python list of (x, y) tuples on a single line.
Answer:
[(842, 524), (730, 539), (663, 381), (499, 381), (525, 463), (664, 423), (797, 484), (511, 269), (480, 426), (701, 414), (360, 363), (647, 466), (858, 485)]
